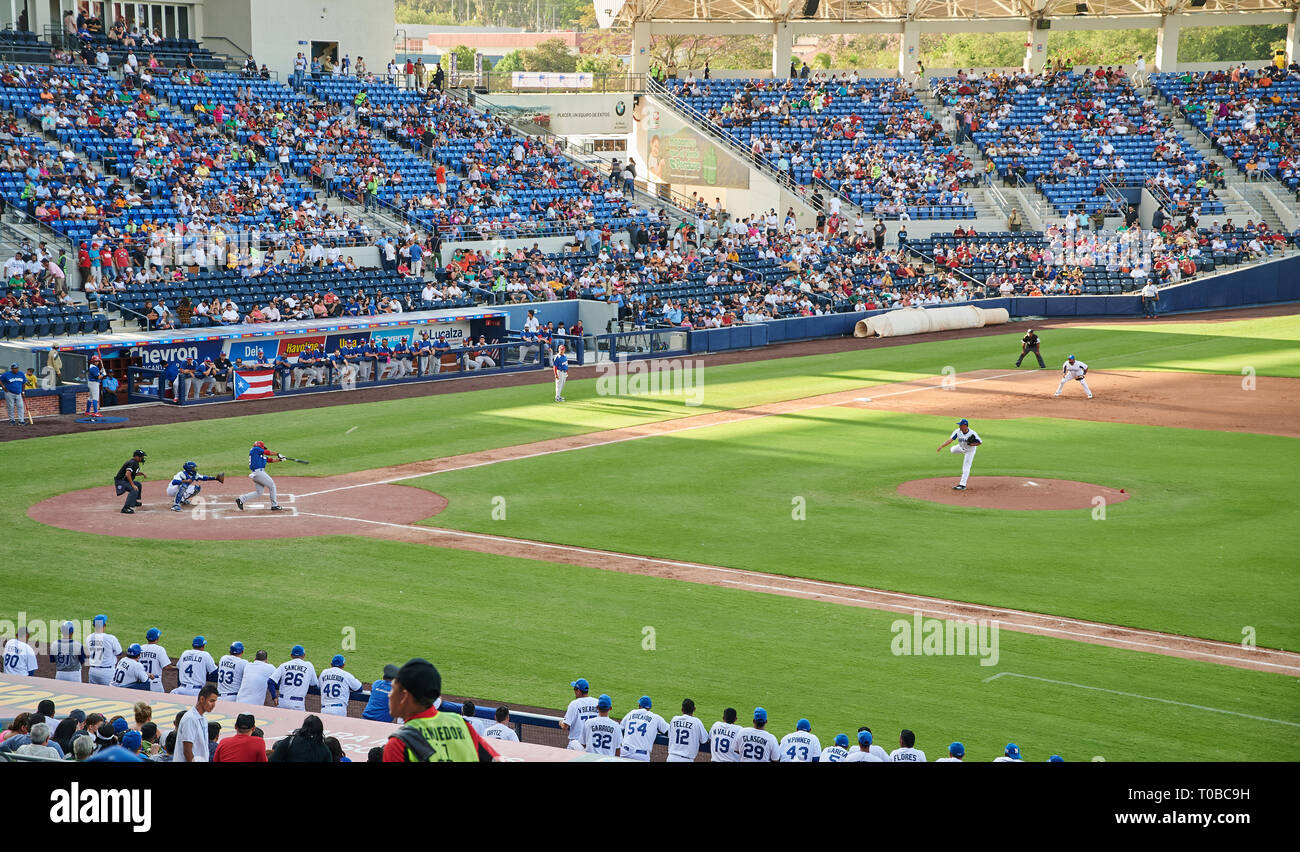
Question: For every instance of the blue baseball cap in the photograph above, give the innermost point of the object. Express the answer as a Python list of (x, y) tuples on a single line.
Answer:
[(69, 628), (338, 660), (1056, 758), (864, 738), (120, 726), (803, 725), (644, 703), (760, 715), (297, 651), (963, 422), (133, 650), (1071, 357), (101, 619), (114, 754), (957, 750), (842, 740), (152, 634), (580, 683), (604, 702), (199, 642), (1013, 750), (131, 740), (236, 647)]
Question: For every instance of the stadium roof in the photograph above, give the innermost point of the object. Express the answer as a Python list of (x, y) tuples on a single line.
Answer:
[(618, 12)]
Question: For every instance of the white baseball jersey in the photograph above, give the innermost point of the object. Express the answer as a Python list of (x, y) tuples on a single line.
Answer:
[(860, 756), (252, 689), (685, 736), (873, 749), (907, 755), (578, 712), (102, 650), (1074, 370), (154, 659), (129, 671), (724, 743), (949, 760), (601, 735), (799, 747), (757, 746), (835, 754), (498, 731), (336, 688), (964, 438), (230, 674), (19, 658), (294, 677), (640, 728), (194, 666), (1004, 759)]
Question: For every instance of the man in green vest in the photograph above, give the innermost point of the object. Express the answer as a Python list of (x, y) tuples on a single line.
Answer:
[(429, 736)]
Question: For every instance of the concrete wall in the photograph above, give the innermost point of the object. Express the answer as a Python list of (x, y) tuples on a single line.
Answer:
[(271, 29)]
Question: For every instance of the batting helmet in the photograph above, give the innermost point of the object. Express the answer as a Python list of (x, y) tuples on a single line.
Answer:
[(259, 444), (190, 466)]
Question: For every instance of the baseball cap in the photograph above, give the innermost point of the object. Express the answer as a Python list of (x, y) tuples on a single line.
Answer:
[(842, 740), (120, 726), (864, 738), (419, 677), (604, 702), (1056, 758), (15, 366), (644, 703), (114, 754), (245, 721), (199, 642), (1013, 750), (131, 741), (957, 750), (152, 633), (101, 619), (963, 422), (297, 651), (338, 660), (69, 627), (581, 683), (803, 725), (133, 650), (760, 715), (390, 671), (78, 714), (1071, 357), (236, 647), (140, 453)]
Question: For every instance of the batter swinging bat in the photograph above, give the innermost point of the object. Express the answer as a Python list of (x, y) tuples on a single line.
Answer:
[(299, 461)]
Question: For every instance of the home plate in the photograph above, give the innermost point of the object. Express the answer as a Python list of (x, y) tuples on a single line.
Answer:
[(1035, 484)]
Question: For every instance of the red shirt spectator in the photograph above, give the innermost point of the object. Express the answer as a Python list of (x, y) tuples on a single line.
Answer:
[(241, 748)]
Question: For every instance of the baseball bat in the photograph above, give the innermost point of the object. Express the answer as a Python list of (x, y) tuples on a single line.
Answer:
[(30, 421), (299, 461)]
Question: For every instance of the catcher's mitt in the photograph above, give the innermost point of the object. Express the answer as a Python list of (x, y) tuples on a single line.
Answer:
[(221, 477), (974, 442)]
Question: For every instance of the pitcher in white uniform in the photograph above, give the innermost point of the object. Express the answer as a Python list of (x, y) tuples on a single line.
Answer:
[(968, 442), (1073, 369)]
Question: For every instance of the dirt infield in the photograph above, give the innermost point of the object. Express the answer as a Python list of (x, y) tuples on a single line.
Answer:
[(213, 515), (1013, 492)]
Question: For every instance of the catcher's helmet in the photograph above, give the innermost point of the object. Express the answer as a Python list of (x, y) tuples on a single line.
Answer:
[(190, 466)]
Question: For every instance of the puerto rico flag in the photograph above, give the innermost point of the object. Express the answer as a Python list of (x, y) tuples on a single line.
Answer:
[(253, 384)]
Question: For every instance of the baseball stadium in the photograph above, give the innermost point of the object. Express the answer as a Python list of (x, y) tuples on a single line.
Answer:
[(653, 410)]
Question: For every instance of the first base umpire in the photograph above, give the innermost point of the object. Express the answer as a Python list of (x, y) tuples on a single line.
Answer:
[(127, 481), (1029, 343)]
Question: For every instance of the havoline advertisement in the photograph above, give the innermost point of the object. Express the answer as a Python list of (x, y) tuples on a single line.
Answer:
[(677, 154)]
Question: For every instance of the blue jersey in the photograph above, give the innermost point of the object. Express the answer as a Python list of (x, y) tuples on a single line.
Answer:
[(14, 382), (257, 459), (173, 370), (93, 373), (561, 362), (377, 707)]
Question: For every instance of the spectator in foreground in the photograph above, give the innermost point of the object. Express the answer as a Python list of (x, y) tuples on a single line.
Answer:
[(192, 732), (429, 736), (39, 745), (305, 745), (243, 747)]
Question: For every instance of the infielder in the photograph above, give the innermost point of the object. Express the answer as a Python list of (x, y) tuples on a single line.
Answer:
[(94, 374), (755, 744), (129, 672), (185, 484), (258, 458), (103, 650), (602, 735), (1076, 370), (800, 745), (560, 366), (193, 668), (230, 672), (67, 655), (19, 658), (641, 728), (154, 658), (724, 738), (1030, 343), (292, 679), (967, 441), (336, 687), (686, 734)]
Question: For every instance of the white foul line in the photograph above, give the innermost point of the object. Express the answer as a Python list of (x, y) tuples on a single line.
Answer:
[(1144, 698), (657, 434), (913, 600)]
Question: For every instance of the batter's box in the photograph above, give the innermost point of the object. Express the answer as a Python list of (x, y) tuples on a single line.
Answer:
[(251, 510)]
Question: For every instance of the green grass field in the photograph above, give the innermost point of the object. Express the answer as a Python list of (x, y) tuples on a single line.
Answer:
[(1201, 550)]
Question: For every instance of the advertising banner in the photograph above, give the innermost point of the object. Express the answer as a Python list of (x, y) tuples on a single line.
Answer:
[(159, 354), (676, 154), (571, 115), (552, 80)]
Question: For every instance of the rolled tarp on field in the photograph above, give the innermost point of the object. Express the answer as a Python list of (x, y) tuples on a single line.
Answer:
[(925, 320)]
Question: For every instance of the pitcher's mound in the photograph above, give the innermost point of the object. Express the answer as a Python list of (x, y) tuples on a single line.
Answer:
[(1013, 492)]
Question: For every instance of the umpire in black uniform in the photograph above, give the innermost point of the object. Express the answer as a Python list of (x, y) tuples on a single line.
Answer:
[(127, 481), (1029, 343)]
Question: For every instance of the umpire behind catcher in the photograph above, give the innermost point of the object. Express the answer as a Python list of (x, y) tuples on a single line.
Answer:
[(1029, 343), (127, 482)]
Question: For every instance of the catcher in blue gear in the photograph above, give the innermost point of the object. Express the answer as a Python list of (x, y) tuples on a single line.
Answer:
[(185, 484)]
